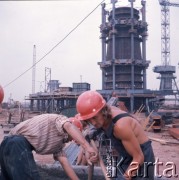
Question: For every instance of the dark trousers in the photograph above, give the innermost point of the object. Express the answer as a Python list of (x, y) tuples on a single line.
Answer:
[(146, 171), (16, 159)]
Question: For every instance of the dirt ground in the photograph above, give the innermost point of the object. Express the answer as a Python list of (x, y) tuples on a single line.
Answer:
[(167, 156)]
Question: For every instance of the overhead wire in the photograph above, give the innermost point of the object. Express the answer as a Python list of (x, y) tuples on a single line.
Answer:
[(55, 45)]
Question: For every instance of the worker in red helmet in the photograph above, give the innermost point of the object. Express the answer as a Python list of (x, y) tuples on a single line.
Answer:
[(136, 158), (1, 94), (44, 134)]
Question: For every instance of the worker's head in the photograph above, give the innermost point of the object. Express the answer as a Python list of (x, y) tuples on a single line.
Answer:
[(89, 104), (75, 121)]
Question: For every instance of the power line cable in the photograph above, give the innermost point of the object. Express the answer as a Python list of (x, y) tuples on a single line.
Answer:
[(55, 45)]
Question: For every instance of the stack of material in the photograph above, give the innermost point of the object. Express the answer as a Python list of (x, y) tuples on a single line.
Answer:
[(174, 132), (157, 121)]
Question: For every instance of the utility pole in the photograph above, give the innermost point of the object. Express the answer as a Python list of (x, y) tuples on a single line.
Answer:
[(47, 79), (34, 69)]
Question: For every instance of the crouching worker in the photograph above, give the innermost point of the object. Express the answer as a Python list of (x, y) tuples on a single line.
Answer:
[(136, 160), (45, 134)]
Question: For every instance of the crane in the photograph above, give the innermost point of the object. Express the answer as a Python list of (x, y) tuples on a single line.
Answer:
[(166, 71), (167, 3)]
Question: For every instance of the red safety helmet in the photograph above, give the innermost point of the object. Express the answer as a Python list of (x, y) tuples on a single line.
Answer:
[(88, 104), (75, 121), (1, 94)]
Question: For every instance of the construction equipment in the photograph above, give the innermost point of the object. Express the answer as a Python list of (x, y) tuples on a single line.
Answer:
[(165, 70)]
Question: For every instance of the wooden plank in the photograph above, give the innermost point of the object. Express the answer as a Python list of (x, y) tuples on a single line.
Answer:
[(162, 141)]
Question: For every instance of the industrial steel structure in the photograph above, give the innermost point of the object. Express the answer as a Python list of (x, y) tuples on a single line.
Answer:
[(124, 62), (34, 69), (58, 99), (167, 79), (47, 79), (123, 65)]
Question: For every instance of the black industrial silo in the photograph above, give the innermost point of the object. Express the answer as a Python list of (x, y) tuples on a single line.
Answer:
[(122, 60)]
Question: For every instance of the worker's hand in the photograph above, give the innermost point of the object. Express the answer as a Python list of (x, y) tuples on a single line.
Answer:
[(95, 158), (91, 155)]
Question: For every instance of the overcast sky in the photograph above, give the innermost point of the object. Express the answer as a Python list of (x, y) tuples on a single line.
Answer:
[(45, 24)]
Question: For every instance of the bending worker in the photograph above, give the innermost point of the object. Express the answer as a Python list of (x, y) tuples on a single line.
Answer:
[(45, 134), (136, 157)]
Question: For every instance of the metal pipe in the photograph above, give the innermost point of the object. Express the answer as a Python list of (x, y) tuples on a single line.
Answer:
[(132, 55), (103, 41), (143, 2), (113, 44)]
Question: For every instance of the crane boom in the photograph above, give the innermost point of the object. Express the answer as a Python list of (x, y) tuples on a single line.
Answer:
[(165, 30), (167, 3), (165, 70)]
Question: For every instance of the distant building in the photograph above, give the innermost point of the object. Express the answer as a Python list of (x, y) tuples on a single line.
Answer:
[(79, 87)]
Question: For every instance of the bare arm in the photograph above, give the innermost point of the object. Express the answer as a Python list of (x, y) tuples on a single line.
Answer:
[(123, 131), (76, 134), (90, 152), (61, 157)]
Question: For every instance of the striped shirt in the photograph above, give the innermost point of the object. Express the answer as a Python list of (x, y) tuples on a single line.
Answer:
[(44, 132)]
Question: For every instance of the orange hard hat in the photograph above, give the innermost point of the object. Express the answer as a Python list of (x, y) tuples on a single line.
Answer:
[(75, 121), (1, 94), (89, 103)]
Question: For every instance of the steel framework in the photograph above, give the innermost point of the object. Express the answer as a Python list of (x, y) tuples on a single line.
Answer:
[(166, 71)]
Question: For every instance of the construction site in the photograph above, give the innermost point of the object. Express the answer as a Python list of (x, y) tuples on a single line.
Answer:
[(124, 33)]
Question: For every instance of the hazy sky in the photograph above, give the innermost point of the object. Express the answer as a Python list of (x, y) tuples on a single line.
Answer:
[(45, 24)]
